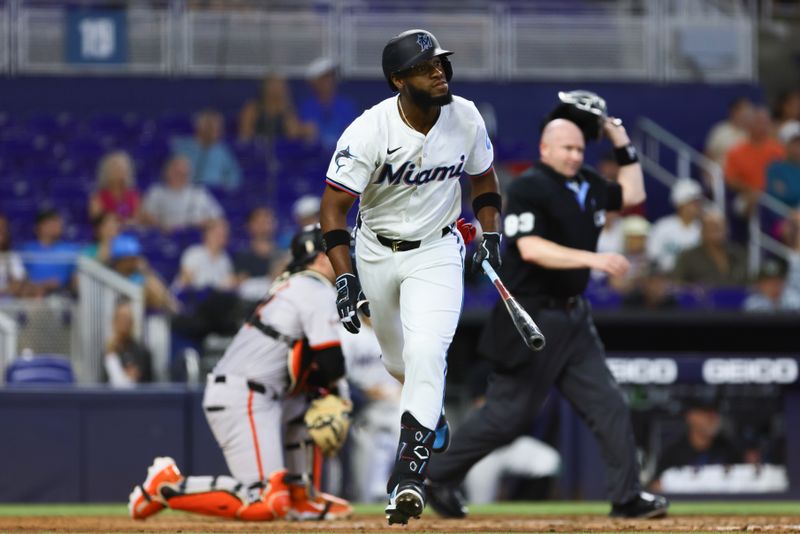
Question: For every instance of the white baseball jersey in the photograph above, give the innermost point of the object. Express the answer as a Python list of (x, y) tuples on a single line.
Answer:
[(302, 306), (409, 182), (252, 426)]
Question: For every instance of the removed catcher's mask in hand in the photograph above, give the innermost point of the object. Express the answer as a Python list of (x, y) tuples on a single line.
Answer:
[(586, 109), (328, 421)]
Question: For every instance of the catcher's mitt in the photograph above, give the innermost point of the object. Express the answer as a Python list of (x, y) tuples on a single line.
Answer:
[(328, 420)]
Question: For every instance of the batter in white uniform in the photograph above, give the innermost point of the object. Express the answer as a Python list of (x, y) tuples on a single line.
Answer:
[(255, 406), (403, 159)]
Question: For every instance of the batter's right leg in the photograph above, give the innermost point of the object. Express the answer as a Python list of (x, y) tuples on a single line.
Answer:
[(377, 273)]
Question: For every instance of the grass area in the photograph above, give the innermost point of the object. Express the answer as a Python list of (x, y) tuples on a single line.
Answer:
[(507, 509)]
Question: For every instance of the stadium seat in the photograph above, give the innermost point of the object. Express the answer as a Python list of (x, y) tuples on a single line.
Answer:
[(40, 369), (727, 298)]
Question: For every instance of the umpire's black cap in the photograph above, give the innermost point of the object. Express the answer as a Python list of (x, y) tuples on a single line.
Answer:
[(306, 244)]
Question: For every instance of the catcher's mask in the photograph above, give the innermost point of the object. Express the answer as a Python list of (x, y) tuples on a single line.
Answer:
[(585, 108)]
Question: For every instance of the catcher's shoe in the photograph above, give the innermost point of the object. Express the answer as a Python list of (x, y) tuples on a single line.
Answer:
[(310, 505), (145, 499), (406, 501), (442, 440)]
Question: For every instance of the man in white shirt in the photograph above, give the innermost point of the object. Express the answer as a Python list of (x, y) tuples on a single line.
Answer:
[(178, 204), (673, 234), (403, 159)]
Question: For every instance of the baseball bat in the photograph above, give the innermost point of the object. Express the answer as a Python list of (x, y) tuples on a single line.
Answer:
[(525, 325)]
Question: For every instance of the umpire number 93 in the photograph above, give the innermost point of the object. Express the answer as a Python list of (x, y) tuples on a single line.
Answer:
[(514, 223)]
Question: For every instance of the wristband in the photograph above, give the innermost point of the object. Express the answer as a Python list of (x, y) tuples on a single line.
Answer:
[(486, 199), (334, 238), (626, 155)]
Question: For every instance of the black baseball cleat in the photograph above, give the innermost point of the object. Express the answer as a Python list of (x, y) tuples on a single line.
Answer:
[(643, 506), (446, 501), (442, 440), (407, 501)]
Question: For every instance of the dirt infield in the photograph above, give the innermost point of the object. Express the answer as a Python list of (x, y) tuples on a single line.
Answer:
[(187, 524)]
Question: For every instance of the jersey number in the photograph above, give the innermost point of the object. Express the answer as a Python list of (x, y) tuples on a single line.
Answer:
[(522, 223)]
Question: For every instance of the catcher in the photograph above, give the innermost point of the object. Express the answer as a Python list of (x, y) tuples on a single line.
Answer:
[(273, 426)]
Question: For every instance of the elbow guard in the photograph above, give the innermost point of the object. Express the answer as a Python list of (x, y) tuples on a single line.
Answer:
[(328, 366)]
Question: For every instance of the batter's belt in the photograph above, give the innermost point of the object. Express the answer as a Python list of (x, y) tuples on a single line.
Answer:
[(398, 245)]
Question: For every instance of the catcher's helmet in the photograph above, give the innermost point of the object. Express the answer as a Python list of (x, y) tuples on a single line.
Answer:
[(584, 108), (410, 48), (306, 244)]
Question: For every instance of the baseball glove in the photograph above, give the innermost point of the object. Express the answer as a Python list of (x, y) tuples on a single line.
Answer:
[(328, 420)]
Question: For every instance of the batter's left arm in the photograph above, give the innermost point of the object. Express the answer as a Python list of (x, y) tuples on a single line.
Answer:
[(486, 204), (488, 207)]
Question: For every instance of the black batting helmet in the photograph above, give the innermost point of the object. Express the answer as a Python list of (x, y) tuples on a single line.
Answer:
[(585, 108), (306, 244), (410, 48)]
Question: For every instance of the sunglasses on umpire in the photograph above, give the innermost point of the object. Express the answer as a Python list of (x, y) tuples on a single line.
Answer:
[(426, 68)]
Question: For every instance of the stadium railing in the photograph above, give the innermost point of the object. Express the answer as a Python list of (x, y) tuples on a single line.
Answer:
[(501, 40), (8, 342)]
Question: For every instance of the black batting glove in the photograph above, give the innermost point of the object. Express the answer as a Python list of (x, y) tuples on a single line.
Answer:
[(349, 298), (489, 249)]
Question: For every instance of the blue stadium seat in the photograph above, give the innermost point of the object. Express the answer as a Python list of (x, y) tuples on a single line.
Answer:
[(727, 298), (40, 369)]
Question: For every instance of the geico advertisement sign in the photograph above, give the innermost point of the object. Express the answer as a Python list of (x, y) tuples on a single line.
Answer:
[(750, 371), (644, 370), (712, 370)]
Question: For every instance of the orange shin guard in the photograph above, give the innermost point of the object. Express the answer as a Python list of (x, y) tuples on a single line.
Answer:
[(216, 503)]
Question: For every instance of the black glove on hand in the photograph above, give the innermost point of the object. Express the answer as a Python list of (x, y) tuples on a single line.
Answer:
[(348, 299), (489, 249)]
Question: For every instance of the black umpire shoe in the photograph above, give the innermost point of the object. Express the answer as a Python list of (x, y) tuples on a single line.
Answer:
[(446, 501), (643, 506)]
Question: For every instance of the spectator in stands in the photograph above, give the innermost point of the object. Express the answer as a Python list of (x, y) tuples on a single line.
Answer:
[(746, 163), (106, 228), (701, 444), (715, 261), (770, 292), (272, 116), (305, 211), (257, 264), (212, 163), (207, 265), (127, 260), (13, 279), (116, 188), (127, 362), (177, 204), (783, 177), (49, 260), (787, 108), (329, 111), (732, 131), (672, 234), (653, 292), (791, 238), (634, 232)]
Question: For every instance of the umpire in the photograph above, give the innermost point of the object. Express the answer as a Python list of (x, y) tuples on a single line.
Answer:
[(554, 216)]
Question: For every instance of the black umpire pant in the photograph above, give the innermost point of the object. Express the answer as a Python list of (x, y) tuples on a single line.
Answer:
[(574, 361)]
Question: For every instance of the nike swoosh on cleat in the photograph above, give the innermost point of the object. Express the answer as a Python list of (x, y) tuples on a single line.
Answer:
[(393, 150)]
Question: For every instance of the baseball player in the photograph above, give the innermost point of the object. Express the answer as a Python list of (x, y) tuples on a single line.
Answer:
[(553, 218), (256, 408), (403, 159)]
